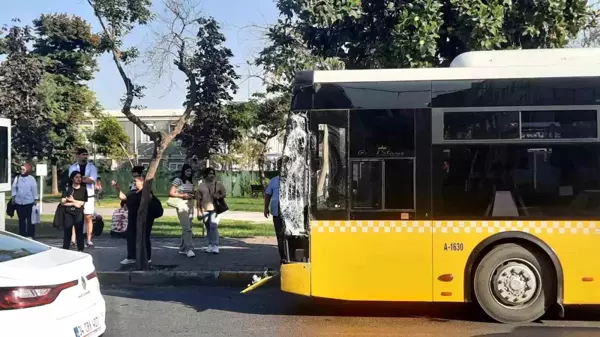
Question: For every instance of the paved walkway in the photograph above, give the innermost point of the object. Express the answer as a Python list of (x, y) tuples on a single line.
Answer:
[(49, 208), (250, 254)]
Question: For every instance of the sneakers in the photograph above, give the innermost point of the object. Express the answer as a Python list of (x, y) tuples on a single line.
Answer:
[(212, 249), (89, 244), (189, 253), (127, 262)]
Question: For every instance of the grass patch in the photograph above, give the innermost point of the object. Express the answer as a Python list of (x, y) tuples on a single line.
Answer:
[(165, 226), (235, 204)]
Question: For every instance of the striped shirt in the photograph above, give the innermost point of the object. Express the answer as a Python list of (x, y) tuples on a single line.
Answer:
[(183, 188)]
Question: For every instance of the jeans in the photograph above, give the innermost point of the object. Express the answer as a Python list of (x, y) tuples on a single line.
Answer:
[(132, 237), (73, 219), (26, 228), (185, 213), (280, 233), (211, 221)]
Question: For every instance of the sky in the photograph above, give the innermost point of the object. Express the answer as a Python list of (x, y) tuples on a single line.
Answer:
[(241, 22)]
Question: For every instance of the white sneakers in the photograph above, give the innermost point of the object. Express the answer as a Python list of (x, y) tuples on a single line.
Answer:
[(190, 253), (212, 249), (131, 261)]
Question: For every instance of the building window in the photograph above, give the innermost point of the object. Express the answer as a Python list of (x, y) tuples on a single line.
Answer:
[(172, 127), (145, 165), (144, 138), (175, 166)]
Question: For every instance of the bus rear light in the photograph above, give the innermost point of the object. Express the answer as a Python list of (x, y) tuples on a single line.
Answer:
[(588, 279), (27, 297), (446, 293), (446, 277)]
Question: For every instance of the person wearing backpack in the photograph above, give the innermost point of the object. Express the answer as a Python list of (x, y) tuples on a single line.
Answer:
[(155, 210)]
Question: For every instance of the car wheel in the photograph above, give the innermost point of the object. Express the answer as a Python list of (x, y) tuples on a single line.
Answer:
[(514, 284)]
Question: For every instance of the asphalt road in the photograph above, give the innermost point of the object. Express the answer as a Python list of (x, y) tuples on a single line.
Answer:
[(212, 311)]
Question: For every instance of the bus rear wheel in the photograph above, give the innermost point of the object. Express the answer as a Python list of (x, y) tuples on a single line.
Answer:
[(514, 284)]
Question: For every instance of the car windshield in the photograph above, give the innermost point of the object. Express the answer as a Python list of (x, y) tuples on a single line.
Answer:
[(13, 247)]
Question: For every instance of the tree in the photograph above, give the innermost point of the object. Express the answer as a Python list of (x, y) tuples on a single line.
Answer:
[(109, 138), (20, 98), (201, 58), (261, 119), (399, 34)]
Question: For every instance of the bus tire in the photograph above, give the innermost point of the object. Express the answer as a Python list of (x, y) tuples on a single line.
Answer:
[(514, 284)]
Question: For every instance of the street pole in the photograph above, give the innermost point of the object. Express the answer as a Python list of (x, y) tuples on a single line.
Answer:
[(41, 194), (2, 208)]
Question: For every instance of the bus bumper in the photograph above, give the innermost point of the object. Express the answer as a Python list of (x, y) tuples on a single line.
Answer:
[(295, 278)]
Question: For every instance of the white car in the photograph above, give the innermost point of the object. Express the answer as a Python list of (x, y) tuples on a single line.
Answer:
[(46, 291)]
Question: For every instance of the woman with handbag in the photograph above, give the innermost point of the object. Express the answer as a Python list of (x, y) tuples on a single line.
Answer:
[(181, 197), (73, 200), (211, 203), (24, 196)]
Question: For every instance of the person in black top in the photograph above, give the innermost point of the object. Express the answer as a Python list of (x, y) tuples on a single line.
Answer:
[(133, 199), (74, 198)]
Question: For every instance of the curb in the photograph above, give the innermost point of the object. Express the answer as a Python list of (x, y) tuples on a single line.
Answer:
[(178, 278)]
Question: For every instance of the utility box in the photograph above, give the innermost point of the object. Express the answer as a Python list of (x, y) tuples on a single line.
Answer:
[(5, 163)]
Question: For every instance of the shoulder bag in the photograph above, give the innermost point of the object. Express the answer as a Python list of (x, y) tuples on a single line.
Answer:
[(220, 204)]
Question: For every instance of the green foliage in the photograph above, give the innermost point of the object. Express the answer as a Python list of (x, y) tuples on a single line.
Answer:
[(420, 33), (20, 98), (216, 77), (110, 138), (68, 46), (121, 16)]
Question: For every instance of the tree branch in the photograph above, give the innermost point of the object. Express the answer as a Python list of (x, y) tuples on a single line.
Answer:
[(129, 86)]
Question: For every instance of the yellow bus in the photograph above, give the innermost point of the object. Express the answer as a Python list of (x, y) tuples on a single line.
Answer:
[(474, 183)]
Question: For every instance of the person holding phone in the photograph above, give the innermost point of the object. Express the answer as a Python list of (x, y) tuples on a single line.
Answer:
[(182, 194), (73, 200)]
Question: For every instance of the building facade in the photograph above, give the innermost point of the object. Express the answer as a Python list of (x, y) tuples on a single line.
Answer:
[(164, 120)]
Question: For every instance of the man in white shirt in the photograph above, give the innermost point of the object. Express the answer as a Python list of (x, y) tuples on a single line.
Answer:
[(89, 174), (272, 199)]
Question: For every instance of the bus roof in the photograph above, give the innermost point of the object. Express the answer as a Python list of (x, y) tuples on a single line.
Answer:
[(528, 58), (553, 63)]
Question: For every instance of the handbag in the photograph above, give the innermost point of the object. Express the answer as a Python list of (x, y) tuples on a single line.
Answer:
[(220, 204), (174, 202), (10, 207)]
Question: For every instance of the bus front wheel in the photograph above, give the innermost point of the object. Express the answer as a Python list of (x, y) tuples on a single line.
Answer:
[(514, 284)]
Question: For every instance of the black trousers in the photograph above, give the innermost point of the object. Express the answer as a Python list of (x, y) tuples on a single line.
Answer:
[(280, 233), (73, 218), (132, 237), (26, 228)]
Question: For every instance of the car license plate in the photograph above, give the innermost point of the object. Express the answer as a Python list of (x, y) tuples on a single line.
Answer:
[(87, 328)]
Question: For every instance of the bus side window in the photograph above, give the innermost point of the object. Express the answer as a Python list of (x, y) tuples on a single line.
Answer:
[(331, 171)]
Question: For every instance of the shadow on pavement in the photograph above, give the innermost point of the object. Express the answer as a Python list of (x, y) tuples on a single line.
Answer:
[(269, 300), (547, 331)]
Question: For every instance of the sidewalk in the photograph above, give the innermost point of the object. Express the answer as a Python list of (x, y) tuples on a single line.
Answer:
[(238, 260), (49, 208)]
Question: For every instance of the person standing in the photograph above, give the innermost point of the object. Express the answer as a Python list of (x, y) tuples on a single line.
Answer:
[(182, 193), (133, 200), (136, 171), (74, 200), (24, 196), (209, 190), (89, 176), (272, 200)]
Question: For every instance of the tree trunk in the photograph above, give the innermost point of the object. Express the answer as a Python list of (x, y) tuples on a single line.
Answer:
[(261, 166), (141, 257), (54, 179)]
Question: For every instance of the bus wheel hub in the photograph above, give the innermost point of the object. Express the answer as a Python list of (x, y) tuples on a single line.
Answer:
[(514, 284)]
